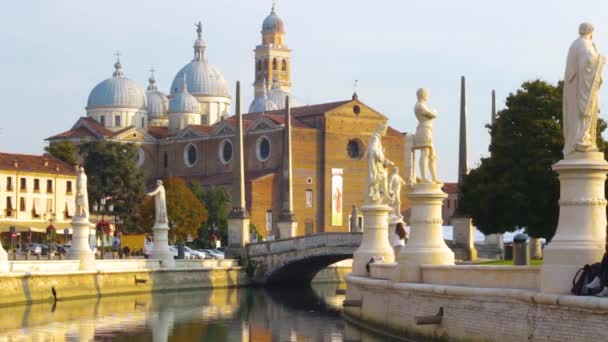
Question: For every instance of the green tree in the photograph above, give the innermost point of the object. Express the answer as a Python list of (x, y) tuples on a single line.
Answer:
[(515, 187), (186, 213), (217, 202), (63, 150), (112, 171)]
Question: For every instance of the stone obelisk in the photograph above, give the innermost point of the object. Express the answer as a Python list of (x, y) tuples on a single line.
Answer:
[(238, 218), (288, 225), (493, 107), (464, 233)]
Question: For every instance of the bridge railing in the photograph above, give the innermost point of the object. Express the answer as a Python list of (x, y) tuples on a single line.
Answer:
[(332, 239)]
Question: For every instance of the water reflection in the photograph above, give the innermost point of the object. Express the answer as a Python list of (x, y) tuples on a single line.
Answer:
[(256, 315)]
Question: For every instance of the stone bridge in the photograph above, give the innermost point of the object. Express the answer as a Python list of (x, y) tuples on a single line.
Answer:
[(298, 259)]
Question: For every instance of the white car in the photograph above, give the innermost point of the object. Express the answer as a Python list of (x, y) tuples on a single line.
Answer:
[(195, 254), (174, 251), (214, 253)]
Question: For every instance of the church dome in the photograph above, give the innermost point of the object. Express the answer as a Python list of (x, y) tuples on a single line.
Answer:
[(202, 77), (262, 104), (182, 101), (272, 23), (117, 91), (158, 102), (277, 96)]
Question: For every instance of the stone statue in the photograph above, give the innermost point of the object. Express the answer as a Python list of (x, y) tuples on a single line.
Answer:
[(394, 190), (199, 29), (423, 139), (160, 203), (582, 80), (354, 222), (82, 196), (377, 164)]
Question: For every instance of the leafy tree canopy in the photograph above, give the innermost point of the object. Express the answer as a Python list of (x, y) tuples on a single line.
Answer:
[(186, 213), (515, 187), (217, 202), (63, 150), (112, 171)]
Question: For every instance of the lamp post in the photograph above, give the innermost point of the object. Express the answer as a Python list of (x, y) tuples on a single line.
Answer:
[(102, 208), (50, 217)]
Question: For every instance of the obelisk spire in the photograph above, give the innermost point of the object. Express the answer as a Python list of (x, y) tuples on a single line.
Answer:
[(238, 206), (462, 151), (287, 214), (493, 107)]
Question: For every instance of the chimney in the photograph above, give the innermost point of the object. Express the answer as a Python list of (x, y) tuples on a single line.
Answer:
[(15, 163), (46, 162)]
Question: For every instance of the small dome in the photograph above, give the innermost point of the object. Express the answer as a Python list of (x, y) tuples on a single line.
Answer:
[(158, 103), (277, 96), (272, 23), (262, 104), (117, 91), (183, 102)]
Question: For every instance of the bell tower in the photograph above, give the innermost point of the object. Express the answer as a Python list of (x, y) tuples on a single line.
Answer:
[(272, 57)]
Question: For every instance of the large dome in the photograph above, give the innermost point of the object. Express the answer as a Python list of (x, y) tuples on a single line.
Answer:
[(272, 23), (158, 103), (117, 91)]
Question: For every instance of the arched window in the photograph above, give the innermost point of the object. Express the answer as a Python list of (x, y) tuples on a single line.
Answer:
[(265, 66), (274, 64), (262, 148), (284, 66), (225, 151), (190, 155), (258, 66)]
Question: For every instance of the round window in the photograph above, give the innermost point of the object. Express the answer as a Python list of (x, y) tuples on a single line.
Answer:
[(263, 148), (355, 148), (190, 155), (225, 151), (357, 109), (141, 156)]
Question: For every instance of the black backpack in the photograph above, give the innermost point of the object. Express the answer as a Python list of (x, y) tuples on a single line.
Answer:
[(583, 277)]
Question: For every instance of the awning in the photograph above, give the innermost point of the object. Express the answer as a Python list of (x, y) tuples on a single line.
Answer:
[(37, 206), (70, 206), (33, 226)]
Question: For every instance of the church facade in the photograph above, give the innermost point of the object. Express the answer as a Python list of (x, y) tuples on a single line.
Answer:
[(189, 133)]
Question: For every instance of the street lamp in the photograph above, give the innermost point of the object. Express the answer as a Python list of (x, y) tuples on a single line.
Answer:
[(102, 226), (50, 230)]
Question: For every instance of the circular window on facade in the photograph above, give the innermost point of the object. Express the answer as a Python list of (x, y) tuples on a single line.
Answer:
[(263, 148), (355, 148), (357, 109), (141, 156), (190, 155), (225, 151)]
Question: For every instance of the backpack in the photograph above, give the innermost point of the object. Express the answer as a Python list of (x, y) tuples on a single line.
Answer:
[(583, 277)]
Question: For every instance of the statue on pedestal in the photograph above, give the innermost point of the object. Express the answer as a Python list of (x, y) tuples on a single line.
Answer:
[(394, 190), (423, 139), (82, 197), (160, 203), (377, 164), (582, 81)]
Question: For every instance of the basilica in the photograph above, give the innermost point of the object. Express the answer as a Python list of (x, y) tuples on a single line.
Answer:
[(189, 132)]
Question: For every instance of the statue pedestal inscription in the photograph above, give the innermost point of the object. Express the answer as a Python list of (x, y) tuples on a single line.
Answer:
[(374, 243), (161, 251), (580, 237), (425, 245), (81, 250)]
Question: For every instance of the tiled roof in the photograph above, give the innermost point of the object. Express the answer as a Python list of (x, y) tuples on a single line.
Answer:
[(32, 163), (450, 188), (158, 132), (95, 126), (306, 110), (84, 128), (121, 131)]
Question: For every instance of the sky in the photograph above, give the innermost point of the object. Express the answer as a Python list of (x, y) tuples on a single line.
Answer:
[(54, 52)]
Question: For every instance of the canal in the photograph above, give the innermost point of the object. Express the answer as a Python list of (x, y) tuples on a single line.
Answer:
[(240, 315)]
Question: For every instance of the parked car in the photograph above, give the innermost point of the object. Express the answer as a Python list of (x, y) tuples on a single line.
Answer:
[(214, 253), (174, 251), (195, 253), (35, 249), (60, 249)]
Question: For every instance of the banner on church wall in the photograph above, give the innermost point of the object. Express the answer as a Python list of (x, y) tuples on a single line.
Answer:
[(336, 197)]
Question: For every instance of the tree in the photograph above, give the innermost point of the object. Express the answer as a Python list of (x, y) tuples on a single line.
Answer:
[(63, 150), (186, 213), (217, 202), (113, 172), (515, 187)]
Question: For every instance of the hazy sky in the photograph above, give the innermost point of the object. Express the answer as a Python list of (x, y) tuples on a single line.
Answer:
[(55, 52)]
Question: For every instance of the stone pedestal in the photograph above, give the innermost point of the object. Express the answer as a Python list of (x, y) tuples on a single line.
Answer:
[(464, 238), (160, 250), (425, 245), (4, 268), (81, 250), (287, 229), (375, 241), (238, 237), (580, 237)]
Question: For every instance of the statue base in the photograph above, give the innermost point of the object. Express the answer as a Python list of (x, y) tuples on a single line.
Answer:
[(464, 238), (161, 251), (81, 250), (374, 243), (287, 229), (580, 237), (425, 245), (238, 237)]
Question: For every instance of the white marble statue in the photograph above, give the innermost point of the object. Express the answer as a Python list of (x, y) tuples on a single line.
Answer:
[(582, 80), (423, 139), (82, 196), (160, 203), (377, 164), (394, 190)]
